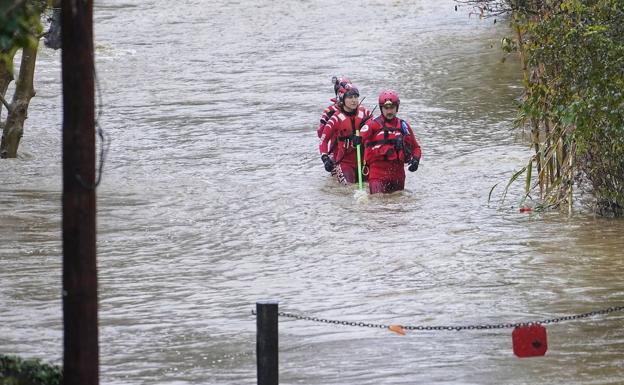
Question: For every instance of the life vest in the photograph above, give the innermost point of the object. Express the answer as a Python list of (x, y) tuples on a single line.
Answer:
[(348, 125), (338, 133), (388, 143)]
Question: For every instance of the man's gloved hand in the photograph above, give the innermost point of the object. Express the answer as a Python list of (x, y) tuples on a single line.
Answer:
[(329, 164), (357, 140), (413, 164)]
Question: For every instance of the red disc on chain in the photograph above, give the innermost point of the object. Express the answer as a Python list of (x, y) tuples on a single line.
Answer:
[(529, 341)]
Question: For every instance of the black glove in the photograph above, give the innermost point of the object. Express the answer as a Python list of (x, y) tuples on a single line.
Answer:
[(329, 164), (357, 140), (413, 164)]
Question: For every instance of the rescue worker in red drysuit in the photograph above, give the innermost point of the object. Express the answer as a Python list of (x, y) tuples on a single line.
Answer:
[(339, 133), (334, 107), (389, 143)]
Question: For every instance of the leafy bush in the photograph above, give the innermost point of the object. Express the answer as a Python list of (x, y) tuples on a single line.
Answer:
[(20, 26), (576, 92), (15, 371)]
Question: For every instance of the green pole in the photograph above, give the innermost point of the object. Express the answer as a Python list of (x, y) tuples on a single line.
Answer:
[(359, 161)]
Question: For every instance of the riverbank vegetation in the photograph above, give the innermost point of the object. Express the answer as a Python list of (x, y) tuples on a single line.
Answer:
[(572, 54), (16, 371), (20, 28)]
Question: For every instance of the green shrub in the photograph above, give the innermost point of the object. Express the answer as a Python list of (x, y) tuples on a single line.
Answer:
[(15, 371), (576, 55)]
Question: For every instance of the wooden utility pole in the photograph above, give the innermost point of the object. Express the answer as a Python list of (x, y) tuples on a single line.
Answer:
[(80, 300)]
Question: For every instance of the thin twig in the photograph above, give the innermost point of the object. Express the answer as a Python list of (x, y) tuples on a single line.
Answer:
[(6, 104)]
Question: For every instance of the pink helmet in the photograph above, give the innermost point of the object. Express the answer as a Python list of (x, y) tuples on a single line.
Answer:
[(389, 98), (339, 82), (347, 90)]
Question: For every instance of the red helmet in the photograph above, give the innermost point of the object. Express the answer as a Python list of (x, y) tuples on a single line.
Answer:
[(339, 82), (389, 98), (347, 90)]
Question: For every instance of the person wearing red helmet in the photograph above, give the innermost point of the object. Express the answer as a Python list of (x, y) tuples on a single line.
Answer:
[(335, 106), (389, 143), (339, 134)]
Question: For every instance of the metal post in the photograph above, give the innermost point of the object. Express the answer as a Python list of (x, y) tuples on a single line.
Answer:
[(266, 343)]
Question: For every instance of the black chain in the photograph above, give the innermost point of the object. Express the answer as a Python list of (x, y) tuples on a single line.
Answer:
[(454, 328), (335, 322)]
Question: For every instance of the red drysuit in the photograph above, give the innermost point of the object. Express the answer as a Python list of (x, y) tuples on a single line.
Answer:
[(337, 138), (326, 115), (389, 145)]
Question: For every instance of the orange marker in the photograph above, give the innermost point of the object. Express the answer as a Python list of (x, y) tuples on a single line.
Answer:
[(398, 329)]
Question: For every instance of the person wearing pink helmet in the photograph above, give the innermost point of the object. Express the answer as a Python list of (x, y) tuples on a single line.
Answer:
[(339, 134), (389, 143), (335, 106)]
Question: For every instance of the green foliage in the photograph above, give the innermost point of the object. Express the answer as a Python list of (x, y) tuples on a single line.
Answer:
[(15, 371), (20, 25), (573, 52), (508, 45)]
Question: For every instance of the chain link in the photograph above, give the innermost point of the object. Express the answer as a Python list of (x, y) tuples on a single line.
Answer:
[(453, 328), (329, 321)]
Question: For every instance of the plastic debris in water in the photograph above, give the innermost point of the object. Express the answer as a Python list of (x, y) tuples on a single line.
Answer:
[(398, 329)]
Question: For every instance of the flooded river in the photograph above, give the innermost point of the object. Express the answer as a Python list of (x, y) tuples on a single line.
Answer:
[(214, 196)]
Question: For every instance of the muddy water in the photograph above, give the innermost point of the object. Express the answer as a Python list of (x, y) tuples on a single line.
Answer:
[(213, 197)]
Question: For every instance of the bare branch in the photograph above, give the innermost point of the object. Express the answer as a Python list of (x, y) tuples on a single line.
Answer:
[(6, 104)]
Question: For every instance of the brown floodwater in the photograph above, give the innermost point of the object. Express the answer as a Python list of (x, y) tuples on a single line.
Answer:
[(213, 197)]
